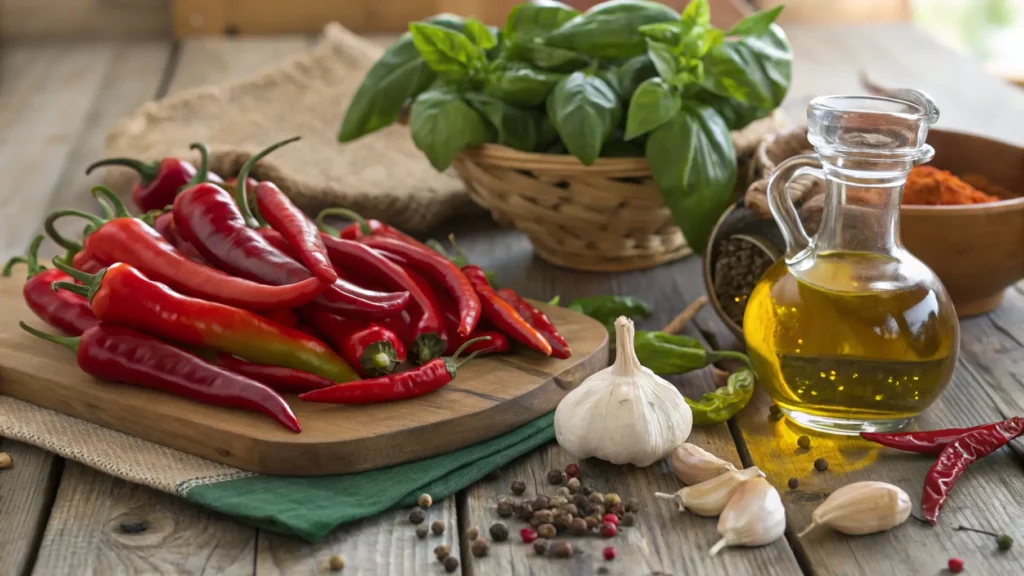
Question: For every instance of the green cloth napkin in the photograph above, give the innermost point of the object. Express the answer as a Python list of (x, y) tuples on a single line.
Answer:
[(311, 507)]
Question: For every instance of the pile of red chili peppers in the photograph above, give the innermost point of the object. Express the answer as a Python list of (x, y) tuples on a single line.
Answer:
[(956, 448), (226, 293)]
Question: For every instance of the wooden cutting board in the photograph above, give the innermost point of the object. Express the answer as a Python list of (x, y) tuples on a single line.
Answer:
[(490, 395)]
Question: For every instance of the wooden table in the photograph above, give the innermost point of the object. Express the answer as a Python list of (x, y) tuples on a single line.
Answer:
[(59, 517)]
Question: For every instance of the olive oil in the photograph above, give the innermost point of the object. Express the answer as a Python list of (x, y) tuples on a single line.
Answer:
[(851, 338)]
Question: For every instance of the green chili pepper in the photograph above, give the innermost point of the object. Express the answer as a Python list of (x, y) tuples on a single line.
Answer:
[(724, 403), (675, 354), (605, 309)]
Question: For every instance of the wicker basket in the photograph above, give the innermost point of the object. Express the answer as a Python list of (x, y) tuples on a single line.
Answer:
[(607, 217)]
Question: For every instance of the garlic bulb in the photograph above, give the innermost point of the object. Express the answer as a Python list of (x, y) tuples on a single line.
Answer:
[(862, 508), (624, 413), (693, 464), (709, 497), (754, 516)]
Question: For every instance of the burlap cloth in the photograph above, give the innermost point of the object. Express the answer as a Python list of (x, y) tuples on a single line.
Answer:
[(381, 175)]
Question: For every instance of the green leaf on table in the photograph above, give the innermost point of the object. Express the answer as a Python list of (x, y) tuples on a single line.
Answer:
[(610, 30), (757, 23), (723, 403), (516, 128), (448, 53), (479, 34), (696, 13), (554, 301), (443, 125), (584, 110), (605, 309), (664, 58), (694, 164), (665, 32), (520, 85), (754, 70), (653, 104), (536, 18)]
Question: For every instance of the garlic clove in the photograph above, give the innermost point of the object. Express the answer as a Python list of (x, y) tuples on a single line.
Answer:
[(693, 464), (624, 414), (862, 508), (754, 516), (709, 498)]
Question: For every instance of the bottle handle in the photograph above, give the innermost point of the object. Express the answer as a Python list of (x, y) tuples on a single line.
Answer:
[(781, 203)]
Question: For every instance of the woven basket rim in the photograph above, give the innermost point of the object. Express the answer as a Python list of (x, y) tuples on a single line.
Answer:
[(503, 156)]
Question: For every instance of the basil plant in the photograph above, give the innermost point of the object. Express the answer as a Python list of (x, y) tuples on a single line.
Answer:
[(625, 78)]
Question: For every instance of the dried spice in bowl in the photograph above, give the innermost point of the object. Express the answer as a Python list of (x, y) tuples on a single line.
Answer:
[(738, 267)]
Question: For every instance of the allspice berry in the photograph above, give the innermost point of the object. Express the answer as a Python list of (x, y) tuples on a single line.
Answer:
[(505, 509), (562, 521), (793, 483), (557, 502), (573, 485), (564, 492), (578, 527), (337, 563), (570, 509), (803, 442), (821, 464), (540, 547), (499, 532), (544, 516), (612, 499), (555, 476), (437, 527), (580, 501), (425, 501), (547, 531), (417, 515), (592, 522), (442, 552), (422, 531), (587, 489), (451, 564), (479, 547), (518, 487), (632, 505), (628, 519), (539, 503), (473, 533), (561, 550), (596, 498), (5, 460)]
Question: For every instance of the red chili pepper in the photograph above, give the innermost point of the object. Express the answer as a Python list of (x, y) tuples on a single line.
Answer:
[(539, 320), (360, 226), (84, 261), (424, 332), (925, 442), (275, 239), (438, 270), (420, 380), (371, 349), (954, 459), (122, 295), (132, 241), (123, 355), (160, 181), (277, 377), (504, 316), (164, 224), (70, 313), (283, 216), (284, 317), (210, 219), (498, 343)]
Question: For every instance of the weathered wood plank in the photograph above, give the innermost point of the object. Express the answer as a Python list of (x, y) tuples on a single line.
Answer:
[(213, 60), (27, 489), (85, 19), (384, 544), (85, 536)]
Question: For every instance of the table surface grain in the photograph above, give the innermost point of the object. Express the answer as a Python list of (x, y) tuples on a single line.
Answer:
[(59, 517)]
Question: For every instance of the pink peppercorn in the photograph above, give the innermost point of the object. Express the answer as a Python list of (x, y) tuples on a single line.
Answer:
[(572, 471), (610, 517), (609, 552), (956, 565), (608, 530), (528, 535)]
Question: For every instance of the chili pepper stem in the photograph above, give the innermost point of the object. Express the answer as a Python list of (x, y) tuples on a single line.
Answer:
[(9, 267), (467, 344), (427, 347), (65, 341), (241, 193), (90, 283), (204, 165), (719, 355), (147, 170), (986, 532), (30, 259), (364, 226), (51, 229), (119, 210)]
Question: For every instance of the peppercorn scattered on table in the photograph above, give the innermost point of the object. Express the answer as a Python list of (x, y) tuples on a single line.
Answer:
[(60, 517)]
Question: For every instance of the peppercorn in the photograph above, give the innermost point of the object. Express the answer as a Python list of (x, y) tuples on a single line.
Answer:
[(1004, 541), (596, 510), (540, 503), (605, 570), (557, 502), (803, 442), (632, 505), (555, 477), (442, 552), (610, 518), (592, 522), (417, 515), (518, 487), (596, 497), (572, 471), (479, 547), (574, 485), (562, 521), (133, 526), (505, 509), (956, 565), (524, 511), (774, 409), (499, 532), (628, 519), (578, 527), (425, 501), (776, 417), (337, 563), (535, 522), (528, 535), (609, 552), (561, 549), (473, 533), (612, 500), (540, 547), (793, 483), (544, 516), (587, 489), (618, 510), (821, 464), (564, 492), (608, 530), (422, 531), (547, 531), (571, 509), (451, 564), (5, 460), (437, 527), (580, 501), (737, 267)]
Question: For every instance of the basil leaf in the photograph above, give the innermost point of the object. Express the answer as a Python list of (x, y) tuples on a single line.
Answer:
[(757, 23), (611, 29), (547, 136), (606, 309), (448, 53), (629, 75), (442, 125), (737, 115), (479, 34), (653, 104), (754, 70), (584, 110), (694, 164), (665, 32), (618, 147), (536, 18), (723, 403), (696, 13), (533, 52), (520, 85), (516, 128), (664, 58)]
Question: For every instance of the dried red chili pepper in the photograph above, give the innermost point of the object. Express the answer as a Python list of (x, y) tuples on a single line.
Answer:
[(277, 377), (924, 442), (371, 349), (498, 343), (69, 313), (539, 320), (160, 181), (960, 453), (502, 315), (122, 295), (409, 384), (438, 270), (120, 354), (360, 226)]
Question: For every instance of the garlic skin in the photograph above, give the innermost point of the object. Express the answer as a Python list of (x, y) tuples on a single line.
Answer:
[(624, 414), (862, 508), (693, 464), (710, 497), (754, 516)]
